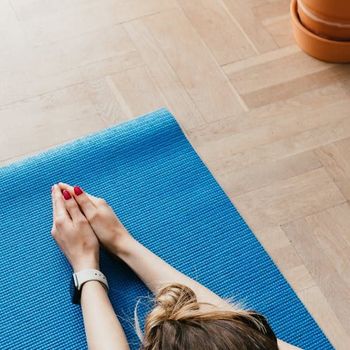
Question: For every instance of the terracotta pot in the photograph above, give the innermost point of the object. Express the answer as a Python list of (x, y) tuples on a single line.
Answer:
[(327, 18), (317, 46)]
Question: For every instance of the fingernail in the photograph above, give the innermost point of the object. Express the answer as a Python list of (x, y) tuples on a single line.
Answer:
[(52, 187), (77, 190), (66, 195)]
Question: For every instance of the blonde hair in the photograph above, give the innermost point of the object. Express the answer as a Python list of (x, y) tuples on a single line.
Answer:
[(177, 322)]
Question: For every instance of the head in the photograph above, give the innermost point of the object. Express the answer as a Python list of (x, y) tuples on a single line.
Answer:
[(179, 322)]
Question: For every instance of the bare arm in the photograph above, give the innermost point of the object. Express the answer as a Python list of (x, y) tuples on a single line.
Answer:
[(102, 327), (155, 272), (78, 242)]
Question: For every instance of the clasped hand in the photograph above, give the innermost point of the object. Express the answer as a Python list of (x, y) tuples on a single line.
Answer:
[(82, 221)]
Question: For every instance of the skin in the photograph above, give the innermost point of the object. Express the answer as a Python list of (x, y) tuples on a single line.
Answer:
[(80, 225)]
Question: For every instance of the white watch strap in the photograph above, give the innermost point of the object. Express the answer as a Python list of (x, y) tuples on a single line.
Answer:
[(89, 275)]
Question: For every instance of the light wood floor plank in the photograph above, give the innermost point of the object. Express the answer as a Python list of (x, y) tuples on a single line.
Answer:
[(331, 283), (275, 17), (287, 136), (274, 72), (313, 101), (279, 247), (281, 31), (341, 221), (239, 181), (54, 118), (195, 67), (294, 87), (102, 94), (178, 100), (298, 143), (333, 239), (11, 31), (64, 63), (336, 158), (323, 313), (273, 238), (243, 13), (299, 278), (289, 199), (48, 21), (219, 30), (136, 92)]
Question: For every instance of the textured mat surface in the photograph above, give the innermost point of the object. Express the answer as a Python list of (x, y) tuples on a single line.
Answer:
[(166, 197)]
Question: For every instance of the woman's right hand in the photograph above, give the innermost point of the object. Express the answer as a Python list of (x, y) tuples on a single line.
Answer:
[(73, 233), (106, 225)]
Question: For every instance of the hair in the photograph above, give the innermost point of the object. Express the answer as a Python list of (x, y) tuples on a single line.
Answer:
[(178, 323)]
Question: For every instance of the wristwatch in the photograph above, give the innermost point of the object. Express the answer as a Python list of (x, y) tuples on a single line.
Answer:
[(81, 277)]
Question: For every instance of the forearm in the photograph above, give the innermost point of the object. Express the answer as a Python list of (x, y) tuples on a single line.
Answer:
[(102, 327), (155, 272)]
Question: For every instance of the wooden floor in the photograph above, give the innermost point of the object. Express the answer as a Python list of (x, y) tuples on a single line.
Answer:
[(271, 123)]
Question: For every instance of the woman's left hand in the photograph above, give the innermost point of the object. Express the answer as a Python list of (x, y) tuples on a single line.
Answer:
[(73, 233)]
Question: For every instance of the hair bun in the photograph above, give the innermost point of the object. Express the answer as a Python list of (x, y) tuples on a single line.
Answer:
[(175, 301)]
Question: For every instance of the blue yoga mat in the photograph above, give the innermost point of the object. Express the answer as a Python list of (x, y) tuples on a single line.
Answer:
[(164, 194)]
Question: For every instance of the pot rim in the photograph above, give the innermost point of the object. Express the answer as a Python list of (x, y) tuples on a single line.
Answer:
[(311, 14), (296, 20)]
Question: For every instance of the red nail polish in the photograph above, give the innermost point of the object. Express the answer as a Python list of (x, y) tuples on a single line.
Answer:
[(77, 190), (66, 195)]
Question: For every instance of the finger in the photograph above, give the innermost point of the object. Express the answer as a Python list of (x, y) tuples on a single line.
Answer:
[(85, 203), (53, 203), (72, 206), (70, 188), (59, 207), (53, 229)]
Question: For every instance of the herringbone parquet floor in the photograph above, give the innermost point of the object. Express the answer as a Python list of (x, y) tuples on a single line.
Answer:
[(271, 123)]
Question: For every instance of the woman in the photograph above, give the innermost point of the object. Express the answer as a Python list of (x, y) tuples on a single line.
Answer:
[(187, 315)]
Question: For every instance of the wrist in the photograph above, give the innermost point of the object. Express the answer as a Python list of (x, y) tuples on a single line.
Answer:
[(86, 264), (123, 246)]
